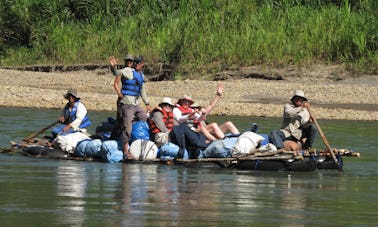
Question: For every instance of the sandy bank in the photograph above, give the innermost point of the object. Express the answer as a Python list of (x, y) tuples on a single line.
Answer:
[(353, 99)]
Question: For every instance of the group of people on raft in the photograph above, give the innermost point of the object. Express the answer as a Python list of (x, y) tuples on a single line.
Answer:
[(182, 123)]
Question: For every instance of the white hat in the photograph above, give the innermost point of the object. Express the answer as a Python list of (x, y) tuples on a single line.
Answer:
[(71, 91), (299, 93), (166, 100)]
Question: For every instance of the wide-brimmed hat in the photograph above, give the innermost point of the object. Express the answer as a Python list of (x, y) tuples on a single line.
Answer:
[(186, 97), (166, 100), (195, 105), (73, 92), (129, 57), (299, 93)]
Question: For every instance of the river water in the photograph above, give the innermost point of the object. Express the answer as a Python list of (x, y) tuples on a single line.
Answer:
[(45, 192)]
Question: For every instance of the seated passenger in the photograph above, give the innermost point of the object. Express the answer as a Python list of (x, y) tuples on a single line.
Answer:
[(296, 126), (74, 117), (161, 121), (165, 129), (184, 114), (182, 111)]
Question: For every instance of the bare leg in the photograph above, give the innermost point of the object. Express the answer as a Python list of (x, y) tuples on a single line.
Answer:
[(126, 152), (214, 129), (229, 127), (206, 133)]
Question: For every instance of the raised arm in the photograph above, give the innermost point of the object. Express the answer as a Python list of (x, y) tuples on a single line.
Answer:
[(218, 94)]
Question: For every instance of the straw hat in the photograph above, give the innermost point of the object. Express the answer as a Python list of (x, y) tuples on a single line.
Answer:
[(299, 93), (166, 100), (71, 91)]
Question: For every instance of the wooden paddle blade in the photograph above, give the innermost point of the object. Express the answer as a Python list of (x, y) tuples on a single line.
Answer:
[(31, 136)]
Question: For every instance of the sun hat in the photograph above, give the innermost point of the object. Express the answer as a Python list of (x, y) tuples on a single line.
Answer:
[(299, 93), (129, 57), (71, 91), (186, 97), (166, 100)]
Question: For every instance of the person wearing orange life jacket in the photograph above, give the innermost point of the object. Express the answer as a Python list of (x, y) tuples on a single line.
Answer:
[(182, 111), (161, 121)]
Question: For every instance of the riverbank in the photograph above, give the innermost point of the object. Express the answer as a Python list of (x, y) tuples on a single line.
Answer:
[(347, 98)]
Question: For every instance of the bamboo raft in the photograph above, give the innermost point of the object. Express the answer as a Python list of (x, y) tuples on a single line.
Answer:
[(309, 160)]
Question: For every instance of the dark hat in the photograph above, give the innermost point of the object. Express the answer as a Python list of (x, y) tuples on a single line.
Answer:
[(138, 59), (299, 93), (71, 91)]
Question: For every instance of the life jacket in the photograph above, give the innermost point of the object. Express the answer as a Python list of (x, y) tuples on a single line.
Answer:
[(187, 111), (183, 110), (167, 119), (71, 115), (132, 87)]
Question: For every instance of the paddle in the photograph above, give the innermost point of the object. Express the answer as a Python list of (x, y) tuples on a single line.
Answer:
[(324, 139), (31, 136)]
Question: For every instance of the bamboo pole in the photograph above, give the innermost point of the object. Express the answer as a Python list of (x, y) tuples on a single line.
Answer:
[(325, 141)]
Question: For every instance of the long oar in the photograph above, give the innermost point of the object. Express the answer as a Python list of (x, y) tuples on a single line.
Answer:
[(31, 136), (324, 139)]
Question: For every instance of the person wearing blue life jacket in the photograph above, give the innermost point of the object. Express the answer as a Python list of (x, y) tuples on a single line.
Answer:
[(129, 85), (117, 126), (74, 116)]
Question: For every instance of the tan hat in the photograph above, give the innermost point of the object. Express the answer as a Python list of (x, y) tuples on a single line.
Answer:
[(166, 100), (129, 57), (186, 97), (299, 93), (71, 91), (195, 105)]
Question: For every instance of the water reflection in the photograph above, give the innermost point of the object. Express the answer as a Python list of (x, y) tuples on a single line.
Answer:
[(72, 184)]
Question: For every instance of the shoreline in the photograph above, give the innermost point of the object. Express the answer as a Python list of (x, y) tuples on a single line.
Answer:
[(347, 99)]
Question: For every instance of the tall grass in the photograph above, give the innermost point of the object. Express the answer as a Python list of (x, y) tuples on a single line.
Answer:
[(195, 35)]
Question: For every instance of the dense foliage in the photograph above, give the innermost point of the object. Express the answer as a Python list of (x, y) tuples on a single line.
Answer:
[(191, 34)]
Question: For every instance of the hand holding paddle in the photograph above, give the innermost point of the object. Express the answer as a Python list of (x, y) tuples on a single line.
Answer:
[(324, 138), (31, 136)]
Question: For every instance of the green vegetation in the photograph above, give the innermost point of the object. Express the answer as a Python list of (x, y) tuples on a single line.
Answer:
[(193, 34)]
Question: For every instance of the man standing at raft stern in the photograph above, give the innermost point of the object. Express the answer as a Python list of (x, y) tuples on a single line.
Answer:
[(297, 124), (132, 81)]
